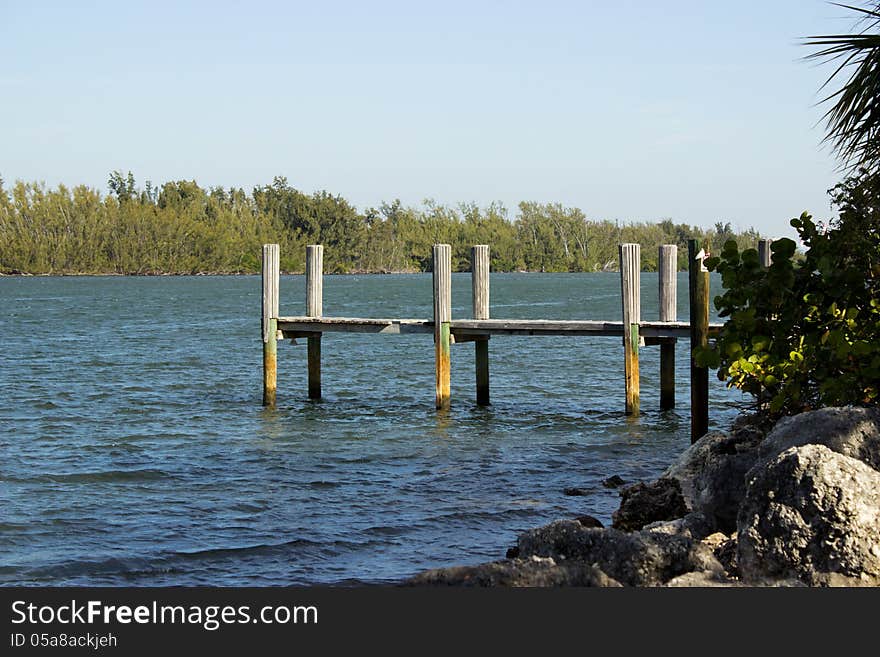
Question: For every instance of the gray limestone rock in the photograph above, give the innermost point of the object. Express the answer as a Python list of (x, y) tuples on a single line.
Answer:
[(811, 514), (632, 558), (849, 430), (642, 504), (528, 572), (712, 471)]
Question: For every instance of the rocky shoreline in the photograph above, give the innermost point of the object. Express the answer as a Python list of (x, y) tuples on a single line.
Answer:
[(791, 504)]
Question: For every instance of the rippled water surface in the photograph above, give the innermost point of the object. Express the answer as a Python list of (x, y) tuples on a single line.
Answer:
[(134, 450)]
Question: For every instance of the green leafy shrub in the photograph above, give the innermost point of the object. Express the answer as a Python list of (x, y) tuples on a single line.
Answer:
[(805, 332), (180, 227)]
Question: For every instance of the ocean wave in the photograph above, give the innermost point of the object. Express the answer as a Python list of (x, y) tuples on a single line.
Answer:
[(134, 566), (145, 474)]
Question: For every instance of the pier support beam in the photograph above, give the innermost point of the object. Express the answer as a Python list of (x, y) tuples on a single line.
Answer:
[(667, 266), (765, 257), (764, 254), (314, 308), (698, 285), (630, 282), (442, 278), (270, 322), (480, 285)]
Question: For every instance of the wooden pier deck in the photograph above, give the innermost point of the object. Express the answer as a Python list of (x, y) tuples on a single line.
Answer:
[(464, 330), (479, 329)]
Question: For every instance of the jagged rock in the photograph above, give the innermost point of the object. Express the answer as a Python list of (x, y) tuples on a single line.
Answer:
[(589, 521), (669, 527), (532, 572), (811, 514), (758, 421), (714, 541), (643, 503), (711, 473), (851, 430), (614, 481), (838, 580), (725, 552), (635, 558), (703, 578), (575, 492), (692, 525)]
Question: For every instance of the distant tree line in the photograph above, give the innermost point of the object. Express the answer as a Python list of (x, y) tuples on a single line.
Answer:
[(181, 228)]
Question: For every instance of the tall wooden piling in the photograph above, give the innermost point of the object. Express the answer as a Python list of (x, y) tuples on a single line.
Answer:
[(764, 254), (442, 278), (630, 282), (271, 277), (667, 266), (698, 285), (314, 308), (480, 286), (765, 257)]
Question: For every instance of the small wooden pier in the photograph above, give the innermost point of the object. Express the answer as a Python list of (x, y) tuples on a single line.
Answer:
[(479, 329)]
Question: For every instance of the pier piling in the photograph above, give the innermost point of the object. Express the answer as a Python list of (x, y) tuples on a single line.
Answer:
[(630, 282), (765, 257), (314, 308), (270, 274), (764, 254), (698, 283), (442, 280), (480, 285), (667, 266)]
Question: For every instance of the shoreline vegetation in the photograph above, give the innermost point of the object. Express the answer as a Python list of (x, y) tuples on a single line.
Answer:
[(180, 228)]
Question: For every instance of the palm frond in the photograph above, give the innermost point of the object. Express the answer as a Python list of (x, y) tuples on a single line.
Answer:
[(853, 120)]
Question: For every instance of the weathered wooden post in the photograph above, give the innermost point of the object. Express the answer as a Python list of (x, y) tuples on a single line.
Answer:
[(270, 322), (765, 257), (667, 266), (764, 254), (480, 286), (442, 315), (630, 282), (698, 285), (314, 308)]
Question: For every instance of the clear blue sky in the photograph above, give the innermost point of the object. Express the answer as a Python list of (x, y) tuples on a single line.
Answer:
[(698, 111)]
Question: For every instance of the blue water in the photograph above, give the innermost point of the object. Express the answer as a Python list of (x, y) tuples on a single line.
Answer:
[(134, 450)]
